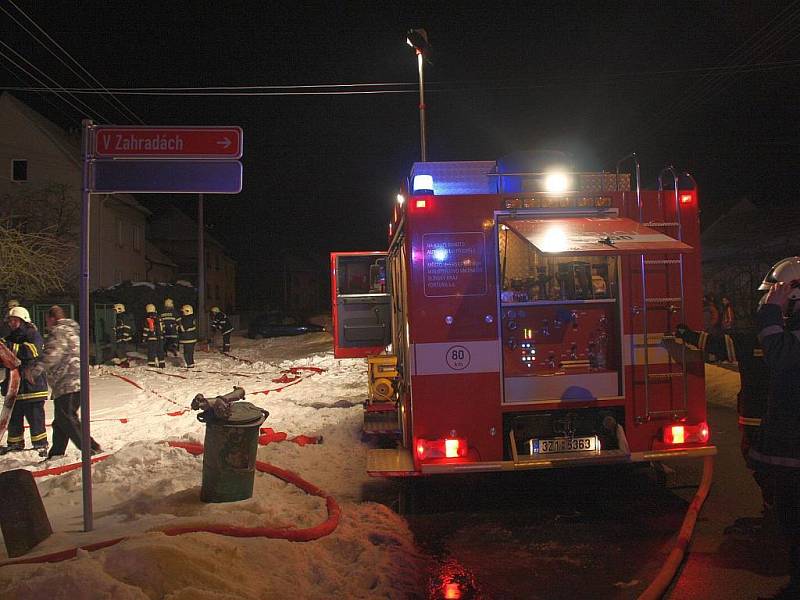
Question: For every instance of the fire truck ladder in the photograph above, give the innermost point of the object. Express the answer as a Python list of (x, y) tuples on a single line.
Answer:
[(666, 303)]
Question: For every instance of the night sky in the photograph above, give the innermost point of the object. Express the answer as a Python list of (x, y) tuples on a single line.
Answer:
[(711, 87)]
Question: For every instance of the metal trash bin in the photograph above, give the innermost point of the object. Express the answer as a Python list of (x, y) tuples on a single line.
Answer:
[(229, 458)]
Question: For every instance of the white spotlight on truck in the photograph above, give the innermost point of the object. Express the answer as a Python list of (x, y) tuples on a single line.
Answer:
[(556, 182)]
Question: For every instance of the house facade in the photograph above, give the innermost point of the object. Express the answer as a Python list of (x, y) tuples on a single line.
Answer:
[(175, 233), (41, 178)]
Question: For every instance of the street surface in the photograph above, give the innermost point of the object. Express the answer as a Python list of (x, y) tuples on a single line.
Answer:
[(594, 533)]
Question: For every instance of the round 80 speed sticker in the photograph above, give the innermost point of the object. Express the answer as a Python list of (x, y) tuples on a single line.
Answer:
[(457, 358)]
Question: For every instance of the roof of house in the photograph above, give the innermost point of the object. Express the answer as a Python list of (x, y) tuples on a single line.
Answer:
[(170, 224), (68, 145), (155, 255), (752, 231)]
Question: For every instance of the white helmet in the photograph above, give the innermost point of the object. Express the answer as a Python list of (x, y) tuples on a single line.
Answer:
[(119, 308), (150, 308), (786, 271), (21, 313)]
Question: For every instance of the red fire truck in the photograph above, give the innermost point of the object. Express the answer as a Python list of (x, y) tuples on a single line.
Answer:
[(530, 315)]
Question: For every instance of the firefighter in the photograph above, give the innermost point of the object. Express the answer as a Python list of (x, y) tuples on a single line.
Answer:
[(153, 336), (187, 333), (779, 322), (744, 348), (26, 343), (123, 335), (4, 328), (169, 321), (220, 322)]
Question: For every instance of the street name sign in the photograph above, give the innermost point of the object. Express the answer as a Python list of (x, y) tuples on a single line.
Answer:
[(167, 142), (165, 176)]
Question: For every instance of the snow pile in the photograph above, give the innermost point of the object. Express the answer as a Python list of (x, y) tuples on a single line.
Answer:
[(146, 485)]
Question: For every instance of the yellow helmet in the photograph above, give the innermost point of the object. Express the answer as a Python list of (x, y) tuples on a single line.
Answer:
[(187, 310), (150, 308), (119, 308), (168, 303), (214, 309)]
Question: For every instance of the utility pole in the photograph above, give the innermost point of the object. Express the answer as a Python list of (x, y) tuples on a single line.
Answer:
[(202, 317)]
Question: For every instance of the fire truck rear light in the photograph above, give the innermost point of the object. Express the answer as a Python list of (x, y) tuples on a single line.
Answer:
[(421, 204), (451, 448), (441, 448), (675, 434), (686, 198), (686, 434)]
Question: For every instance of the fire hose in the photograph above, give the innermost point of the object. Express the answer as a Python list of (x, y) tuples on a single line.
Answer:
[(665, 576), (307, 534)]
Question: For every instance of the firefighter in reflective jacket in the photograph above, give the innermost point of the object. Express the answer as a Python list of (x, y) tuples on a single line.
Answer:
[(743, 348), (153, 336), (26, 343), (169, 321), (220, 322), (187, 333), (779, 322), (123, 335)]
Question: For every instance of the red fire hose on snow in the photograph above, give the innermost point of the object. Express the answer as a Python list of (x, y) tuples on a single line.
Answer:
[(287, 533)]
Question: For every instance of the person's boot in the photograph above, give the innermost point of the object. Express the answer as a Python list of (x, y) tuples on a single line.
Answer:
[(162, 364), (42, 451), (11, 448)]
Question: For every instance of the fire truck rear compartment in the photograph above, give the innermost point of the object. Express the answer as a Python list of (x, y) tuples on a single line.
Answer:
[(561, 431)]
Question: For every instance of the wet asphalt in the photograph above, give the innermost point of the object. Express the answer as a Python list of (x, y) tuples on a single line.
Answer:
[(592, 532)]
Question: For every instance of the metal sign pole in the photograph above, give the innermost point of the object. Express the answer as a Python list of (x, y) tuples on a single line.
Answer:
[(86, 446)]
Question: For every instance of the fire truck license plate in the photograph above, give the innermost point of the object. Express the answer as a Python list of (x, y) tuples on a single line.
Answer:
[(564, 444)]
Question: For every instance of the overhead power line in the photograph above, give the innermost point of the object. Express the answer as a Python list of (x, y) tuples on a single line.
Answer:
[(116, 104), (335, 89)]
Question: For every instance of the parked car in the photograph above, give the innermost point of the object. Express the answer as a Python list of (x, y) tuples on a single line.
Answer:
[(274, 324)]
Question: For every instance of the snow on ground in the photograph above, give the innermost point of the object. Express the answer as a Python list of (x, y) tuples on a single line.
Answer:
[(146, 484), (722, 386)]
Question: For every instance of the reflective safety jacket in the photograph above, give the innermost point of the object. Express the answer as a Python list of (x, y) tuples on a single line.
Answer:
[(187, 329), (741, 347), (152, 331), (169, 322), (26, 343), (221, 323), (780, 437), (123, 328)]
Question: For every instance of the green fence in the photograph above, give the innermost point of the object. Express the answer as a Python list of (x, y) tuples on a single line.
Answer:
[(40, 311)]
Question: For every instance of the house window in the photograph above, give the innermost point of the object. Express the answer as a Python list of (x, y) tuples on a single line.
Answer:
[(120, 233), (137, 238), (117, 276), (19, 170)]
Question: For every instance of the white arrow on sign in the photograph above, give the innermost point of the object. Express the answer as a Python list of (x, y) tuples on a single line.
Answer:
[(225, 143)]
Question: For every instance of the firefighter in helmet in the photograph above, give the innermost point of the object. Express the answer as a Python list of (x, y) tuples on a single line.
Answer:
[(4, 328), (779, 449), (187, 333), (26, 343), (123, 335), (169, 321), (220, 322), (153, 336)]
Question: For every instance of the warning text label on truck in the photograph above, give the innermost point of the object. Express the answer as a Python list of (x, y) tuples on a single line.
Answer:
[(454, 264)]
